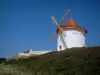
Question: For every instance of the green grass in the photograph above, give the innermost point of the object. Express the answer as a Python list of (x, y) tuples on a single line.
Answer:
[(75, 61)]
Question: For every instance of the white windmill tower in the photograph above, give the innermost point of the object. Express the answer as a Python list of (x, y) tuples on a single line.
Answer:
[(69, 35)]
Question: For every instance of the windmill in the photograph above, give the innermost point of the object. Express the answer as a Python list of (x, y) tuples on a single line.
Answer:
[(59, 29)]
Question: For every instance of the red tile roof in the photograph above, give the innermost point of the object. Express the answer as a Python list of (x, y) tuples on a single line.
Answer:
[(71, 24)]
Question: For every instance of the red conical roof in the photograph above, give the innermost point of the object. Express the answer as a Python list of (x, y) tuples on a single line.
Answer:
[(71, 24)]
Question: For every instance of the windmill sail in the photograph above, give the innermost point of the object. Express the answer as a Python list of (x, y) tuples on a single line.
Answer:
[(60, 29)]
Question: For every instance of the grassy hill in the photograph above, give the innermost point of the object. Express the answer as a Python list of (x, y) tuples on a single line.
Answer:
[(75, 61)]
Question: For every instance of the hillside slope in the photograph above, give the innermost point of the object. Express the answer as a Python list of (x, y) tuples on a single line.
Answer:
[(75, 61)]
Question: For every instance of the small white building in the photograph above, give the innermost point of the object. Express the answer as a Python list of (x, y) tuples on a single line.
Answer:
[(32, 53), (75, 36)]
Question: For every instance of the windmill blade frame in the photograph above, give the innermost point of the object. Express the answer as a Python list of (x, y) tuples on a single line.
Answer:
[(60, 29), (63, 40), (66, 14), (59, 26), (52, 36)]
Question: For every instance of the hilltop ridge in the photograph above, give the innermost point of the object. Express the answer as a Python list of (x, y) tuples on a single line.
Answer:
[(74, 61)]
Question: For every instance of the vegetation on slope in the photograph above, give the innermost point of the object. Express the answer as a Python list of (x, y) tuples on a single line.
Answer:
[(75, 61)]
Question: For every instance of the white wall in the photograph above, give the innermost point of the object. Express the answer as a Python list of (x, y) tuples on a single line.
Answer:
[(60, 43), (74, 38), (39, 52), (33, 53)]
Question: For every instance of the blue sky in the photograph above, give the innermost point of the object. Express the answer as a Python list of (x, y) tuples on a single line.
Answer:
[(26, 24)]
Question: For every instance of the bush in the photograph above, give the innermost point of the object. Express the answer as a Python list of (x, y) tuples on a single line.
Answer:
[(2, 60)]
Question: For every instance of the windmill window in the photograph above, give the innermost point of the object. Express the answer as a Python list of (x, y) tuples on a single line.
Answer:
[(73, 32), (76, 33)]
